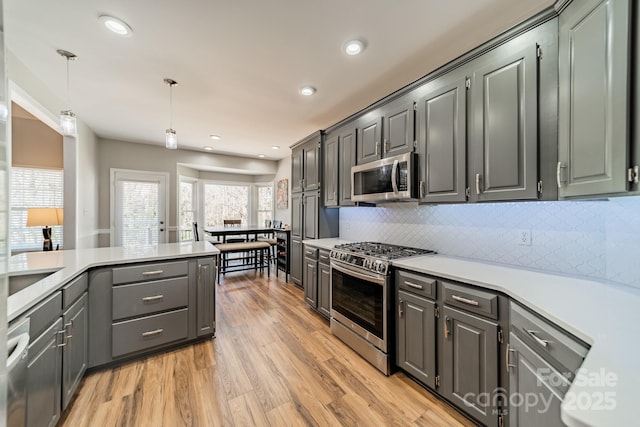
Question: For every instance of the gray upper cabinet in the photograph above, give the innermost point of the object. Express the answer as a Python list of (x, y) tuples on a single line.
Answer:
[(594, 82), (504, 135), (370, 137), (441, 134), (296, 169), (296, 215), (346, 159), (310, 215), (330, 172), (398, 126), (311, 165), (469, 363)]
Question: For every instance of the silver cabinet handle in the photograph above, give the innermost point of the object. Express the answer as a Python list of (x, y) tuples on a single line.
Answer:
[(507, 358), (532, 334), (152, 273), (152, 333), (400, 312), (377, 147), (558, 178), (69, 325), (465, 300), (413, 285), (153, 298), (385, 147), (64, 338), (446, 326), (422, 190), (477, 183)]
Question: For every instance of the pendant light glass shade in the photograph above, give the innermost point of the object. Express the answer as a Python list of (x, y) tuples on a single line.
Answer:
[(68, 126), (170, 136), (171, 139), (68, 123)]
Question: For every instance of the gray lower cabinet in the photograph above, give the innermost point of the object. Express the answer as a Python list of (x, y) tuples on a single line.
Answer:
[(296, 258), (530, 375), (594, 84), (469, 364), (44, 377), (442, 139), (206, 296), (416, 337), (310, 277), (75, 354), (324, 284)]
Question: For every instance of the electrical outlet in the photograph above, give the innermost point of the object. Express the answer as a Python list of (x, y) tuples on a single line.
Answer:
[(523, 236)]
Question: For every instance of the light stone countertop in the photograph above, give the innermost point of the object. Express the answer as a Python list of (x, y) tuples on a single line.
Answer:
[(327, 244), (607, 316), (66, 265)]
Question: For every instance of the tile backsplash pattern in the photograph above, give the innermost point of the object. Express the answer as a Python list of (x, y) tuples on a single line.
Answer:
[(599, 239)]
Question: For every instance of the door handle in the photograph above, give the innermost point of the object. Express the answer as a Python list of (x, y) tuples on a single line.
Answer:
[(478, 183), (21, 342), (507, 358), (400, 312), (558, 174), (446, 326)]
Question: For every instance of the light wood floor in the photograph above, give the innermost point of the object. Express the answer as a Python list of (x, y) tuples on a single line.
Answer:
[(273, 362)]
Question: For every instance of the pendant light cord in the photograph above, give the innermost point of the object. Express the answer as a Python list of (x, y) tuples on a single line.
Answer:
[(170, 106)]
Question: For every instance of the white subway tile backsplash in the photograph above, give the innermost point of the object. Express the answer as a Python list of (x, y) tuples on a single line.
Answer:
[(594, 238)]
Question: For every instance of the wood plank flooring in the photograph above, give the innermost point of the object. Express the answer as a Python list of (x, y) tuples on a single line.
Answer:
[(273, 362)]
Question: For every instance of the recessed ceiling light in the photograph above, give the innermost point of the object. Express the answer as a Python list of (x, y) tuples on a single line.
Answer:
[(354, 47), (216, 137), (261, 155), (307, 90), (115, 25), (275, 147), (206, 147)]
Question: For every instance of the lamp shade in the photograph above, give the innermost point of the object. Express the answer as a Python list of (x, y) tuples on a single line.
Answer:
[(42, 217)]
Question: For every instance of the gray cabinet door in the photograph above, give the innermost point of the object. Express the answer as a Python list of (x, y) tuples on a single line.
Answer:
[(324, 289), (398, 127), (347, 158), (206, 296), (330, 172), (593, 97), (296, 169), (44, 377), (75, 355), (531, 375), (310, 281), (442, 140), (296, 258), (311, 166), (469, 368), (369, 139), (310, 215), (296, 215), (416, 341), (504, 137)]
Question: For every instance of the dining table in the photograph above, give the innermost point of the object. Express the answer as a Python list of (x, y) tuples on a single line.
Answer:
[(246, 230)]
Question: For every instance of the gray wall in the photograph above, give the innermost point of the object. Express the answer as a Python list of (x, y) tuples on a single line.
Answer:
[(155, 158)]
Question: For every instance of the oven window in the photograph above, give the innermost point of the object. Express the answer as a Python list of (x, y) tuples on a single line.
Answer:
[(358, 300)]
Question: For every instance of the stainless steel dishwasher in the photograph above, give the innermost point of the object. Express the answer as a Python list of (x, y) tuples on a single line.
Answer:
[(17, 347)]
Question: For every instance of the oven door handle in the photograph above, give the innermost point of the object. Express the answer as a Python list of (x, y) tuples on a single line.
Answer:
[(369, 278)]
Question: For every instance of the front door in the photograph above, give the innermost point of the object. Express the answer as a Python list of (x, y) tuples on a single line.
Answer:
[(138, 208)]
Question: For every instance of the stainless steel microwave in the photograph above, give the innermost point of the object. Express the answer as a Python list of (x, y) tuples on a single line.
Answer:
[(386, 180)]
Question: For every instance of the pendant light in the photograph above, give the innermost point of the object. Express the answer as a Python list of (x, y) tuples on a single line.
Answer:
[(171, 138), (67, 118)]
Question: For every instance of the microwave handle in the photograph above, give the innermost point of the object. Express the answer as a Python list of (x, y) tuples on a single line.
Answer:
[(394, 175)]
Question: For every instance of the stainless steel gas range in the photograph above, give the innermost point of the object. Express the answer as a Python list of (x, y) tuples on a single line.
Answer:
[(362, 296)]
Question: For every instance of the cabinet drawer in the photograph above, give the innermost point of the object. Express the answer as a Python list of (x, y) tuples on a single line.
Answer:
[(471, 299), (323, 256), (311, 253), (41, 317), (147, 332), (149, 297), (72, 290), (160, 270), (416, 283), (547, 339)]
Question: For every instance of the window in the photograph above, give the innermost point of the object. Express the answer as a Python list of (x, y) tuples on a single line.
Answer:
[(264, 203), (187, 213), (225, 201), (34, 188)]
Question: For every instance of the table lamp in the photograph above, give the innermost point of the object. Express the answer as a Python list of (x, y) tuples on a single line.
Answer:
[(45, 217)]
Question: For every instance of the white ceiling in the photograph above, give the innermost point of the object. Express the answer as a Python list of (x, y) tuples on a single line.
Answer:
[(239, 63)]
